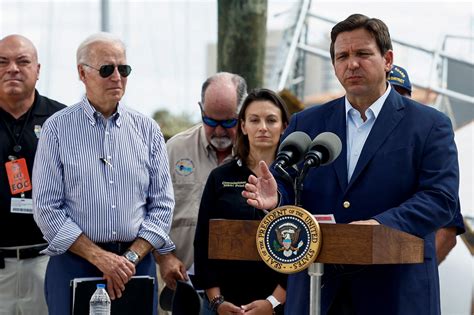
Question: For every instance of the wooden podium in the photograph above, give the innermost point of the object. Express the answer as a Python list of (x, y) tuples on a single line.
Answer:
[(341, 244)]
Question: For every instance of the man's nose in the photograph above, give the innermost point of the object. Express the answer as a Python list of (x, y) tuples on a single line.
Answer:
[(13, 67), (220, 131), (115, 75), (353, 63)]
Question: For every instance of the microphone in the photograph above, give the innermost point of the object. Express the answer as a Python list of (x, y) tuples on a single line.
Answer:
[(324, 149), (292, 149)]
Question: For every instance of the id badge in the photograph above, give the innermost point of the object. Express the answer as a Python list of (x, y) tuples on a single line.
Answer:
[(18, 177), (21, 205)]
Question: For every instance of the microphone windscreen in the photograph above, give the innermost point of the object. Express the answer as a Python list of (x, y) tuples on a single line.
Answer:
[(298, 143), (330, 144)]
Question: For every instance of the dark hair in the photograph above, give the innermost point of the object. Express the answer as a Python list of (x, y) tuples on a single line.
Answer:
[(376, 27), (237, 80), (242, 146)]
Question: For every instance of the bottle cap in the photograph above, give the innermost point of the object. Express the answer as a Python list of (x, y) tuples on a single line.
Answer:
[(100, 286)]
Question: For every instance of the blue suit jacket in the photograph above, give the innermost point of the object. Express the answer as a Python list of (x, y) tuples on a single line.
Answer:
[(406, 178)]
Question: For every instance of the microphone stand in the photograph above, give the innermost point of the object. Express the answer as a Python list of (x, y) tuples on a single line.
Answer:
[(315, 270), (283, 173)]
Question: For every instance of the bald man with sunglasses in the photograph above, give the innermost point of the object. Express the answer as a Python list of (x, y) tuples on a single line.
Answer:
[(193, 153), (103, 197)]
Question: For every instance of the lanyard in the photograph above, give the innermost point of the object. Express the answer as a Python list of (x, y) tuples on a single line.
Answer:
[(17, 147)]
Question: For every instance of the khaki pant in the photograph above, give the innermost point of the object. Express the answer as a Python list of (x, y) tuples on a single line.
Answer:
[(22, 286)]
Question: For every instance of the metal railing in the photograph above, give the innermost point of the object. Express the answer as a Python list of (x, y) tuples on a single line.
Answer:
[(295, 42)]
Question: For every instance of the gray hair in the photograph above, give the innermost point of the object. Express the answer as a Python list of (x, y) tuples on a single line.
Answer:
[(239, 83), (83, 51)]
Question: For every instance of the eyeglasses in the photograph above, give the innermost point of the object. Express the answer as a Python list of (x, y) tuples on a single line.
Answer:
[(226, 123), (211, 122), (106, 71)]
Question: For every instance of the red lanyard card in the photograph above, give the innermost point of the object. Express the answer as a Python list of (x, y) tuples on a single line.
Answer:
[(18, 176)]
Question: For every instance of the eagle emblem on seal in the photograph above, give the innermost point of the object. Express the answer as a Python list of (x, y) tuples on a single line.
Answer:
[(287, 236)]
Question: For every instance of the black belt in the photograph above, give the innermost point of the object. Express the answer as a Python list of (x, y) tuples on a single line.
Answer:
[(115, 247), (22, 253)]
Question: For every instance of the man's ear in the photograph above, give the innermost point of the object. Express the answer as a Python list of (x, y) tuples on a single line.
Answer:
[(81, 72), (38, 71), (388, 57)]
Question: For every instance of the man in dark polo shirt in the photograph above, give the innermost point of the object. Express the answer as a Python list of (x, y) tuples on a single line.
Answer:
[(22, 113)]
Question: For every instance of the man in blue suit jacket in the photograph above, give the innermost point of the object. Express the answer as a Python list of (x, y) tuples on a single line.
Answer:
[(398, 167)]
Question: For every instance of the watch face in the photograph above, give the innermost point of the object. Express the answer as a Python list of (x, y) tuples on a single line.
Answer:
[(131, 256)]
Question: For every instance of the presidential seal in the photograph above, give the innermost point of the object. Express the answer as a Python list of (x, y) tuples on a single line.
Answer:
[(288, 239)]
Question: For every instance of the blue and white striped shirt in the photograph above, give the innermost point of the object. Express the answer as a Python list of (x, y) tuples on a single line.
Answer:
[(358, 130), (106, 178)]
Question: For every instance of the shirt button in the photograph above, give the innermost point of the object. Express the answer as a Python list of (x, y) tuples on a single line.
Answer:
[(111, 182), (113, 206), (346, 204), (109, 157), (113, 232), (106, 133)]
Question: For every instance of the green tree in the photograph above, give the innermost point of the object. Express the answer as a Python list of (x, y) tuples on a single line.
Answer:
[(171, 124), (242, 32)]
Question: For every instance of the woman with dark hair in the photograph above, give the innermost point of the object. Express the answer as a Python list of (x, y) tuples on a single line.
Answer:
[(238, 287)]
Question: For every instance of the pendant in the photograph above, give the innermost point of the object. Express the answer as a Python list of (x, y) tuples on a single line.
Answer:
[(17, 148)]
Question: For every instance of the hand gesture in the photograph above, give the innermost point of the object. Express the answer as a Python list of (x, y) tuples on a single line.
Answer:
[(261, 192)]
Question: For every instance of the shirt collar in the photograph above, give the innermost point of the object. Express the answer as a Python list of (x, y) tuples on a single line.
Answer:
[(39, 108), (205, 144), (374, 108), (92, 114)]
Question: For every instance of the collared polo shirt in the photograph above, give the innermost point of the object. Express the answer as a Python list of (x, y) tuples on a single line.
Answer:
[(20, 229), (191, 159)]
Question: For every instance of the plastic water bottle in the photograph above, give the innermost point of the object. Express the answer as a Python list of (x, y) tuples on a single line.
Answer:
[(100, 301)]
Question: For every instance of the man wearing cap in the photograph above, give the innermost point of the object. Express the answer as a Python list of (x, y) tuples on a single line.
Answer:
[(446, 236), (22, 114), (101, 185), (193, 153)]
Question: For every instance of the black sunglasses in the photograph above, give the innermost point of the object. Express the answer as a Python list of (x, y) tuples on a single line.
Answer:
[(211, 122), (106, 71)]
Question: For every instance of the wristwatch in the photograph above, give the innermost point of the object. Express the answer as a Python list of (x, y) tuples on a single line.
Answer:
[(273, 301), (132, 256)]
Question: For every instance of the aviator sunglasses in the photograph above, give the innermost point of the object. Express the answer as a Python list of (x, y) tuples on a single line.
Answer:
[(211, 122), (106, 71)]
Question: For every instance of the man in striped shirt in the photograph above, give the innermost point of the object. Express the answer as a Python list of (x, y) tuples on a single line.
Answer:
[(102, 194)]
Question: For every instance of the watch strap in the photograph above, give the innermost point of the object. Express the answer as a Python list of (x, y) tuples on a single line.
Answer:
[(273, 301)]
